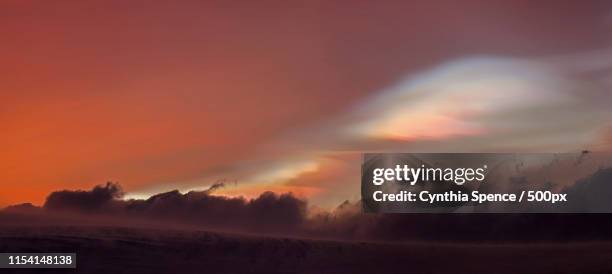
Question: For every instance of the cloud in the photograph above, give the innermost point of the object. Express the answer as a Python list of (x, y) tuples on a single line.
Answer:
[(591, 193), (214, 187), (284, 214), (486, 103), (268, 212), (25, 208), (483, 103), (85, 201), (471, 104)]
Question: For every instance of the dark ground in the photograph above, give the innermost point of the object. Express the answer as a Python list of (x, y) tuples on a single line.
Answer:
[(137, 250)]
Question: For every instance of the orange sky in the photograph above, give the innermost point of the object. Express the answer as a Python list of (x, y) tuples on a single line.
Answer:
[(156, 94)]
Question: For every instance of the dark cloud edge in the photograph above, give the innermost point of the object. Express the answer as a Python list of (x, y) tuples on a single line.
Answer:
[(284, 214)]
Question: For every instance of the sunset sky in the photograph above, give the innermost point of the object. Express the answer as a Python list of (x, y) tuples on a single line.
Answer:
[(273, 95)]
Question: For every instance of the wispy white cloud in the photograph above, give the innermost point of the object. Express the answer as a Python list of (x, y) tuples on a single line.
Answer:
[(483, 104)]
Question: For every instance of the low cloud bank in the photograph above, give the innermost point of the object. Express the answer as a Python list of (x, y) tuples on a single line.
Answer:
[(285, 214), (267, 213)]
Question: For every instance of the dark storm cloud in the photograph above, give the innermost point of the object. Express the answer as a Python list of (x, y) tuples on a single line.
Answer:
[(287, 215), (591, 193), (268, 212), (95, 199)]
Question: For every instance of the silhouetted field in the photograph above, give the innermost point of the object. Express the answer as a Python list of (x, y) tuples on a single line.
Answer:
[(103, 249)]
